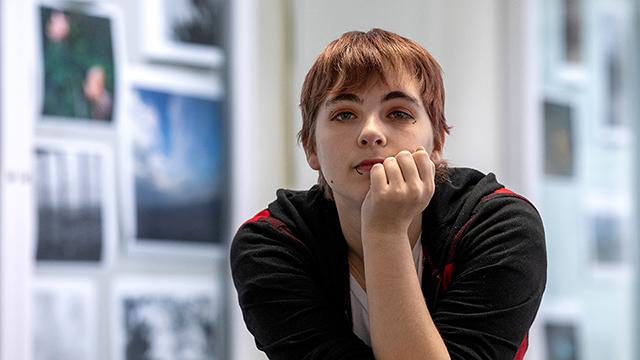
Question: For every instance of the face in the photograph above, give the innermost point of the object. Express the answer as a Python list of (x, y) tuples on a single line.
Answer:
[(354, 130)]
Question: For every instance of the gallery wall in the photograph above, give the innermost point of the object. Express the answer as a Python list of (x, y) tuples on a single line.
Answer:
[(92, 140)]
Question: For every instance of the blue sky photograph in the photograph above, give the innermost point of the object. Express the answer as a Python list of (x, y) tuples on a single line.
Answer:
[(178, 145)]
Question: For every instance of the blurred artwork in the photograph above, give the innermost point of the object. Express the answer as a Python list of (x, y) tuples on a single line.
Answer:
[(573, 28), (69, 190), (196, 21), (611, 45), (178, 319), (64, 320), (561, 339), (607, 233), (558, 140), (179, 165), (78, 65), (190, 32)]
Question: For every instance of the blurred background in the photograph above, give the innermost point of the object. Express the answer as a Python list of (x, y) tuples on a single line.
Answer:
[(136, 136)]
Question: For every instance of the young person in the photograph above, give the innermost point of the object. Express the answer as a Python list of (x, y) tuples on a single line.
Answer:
[(392, 255)]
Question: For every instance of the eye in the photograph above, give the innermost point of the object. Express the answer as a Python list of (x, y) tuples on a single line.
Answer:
[(401, 115), (343, 115)]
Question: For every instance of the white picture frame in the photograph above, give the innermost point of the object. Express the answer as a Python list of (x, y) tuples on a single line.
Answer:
[(65, 319), (162, 40), (609, 229), (613, 23), (146, 168), (168, 318), (562, 325), (103, 19), (79, 178)]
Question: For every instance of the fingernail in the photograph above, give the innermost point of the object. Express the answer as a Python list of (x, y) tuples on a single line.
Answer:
[(420, 148)]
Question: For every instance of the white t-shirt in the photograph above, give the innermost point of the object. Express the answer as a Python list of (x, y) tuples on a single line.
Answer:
[(359, 307)]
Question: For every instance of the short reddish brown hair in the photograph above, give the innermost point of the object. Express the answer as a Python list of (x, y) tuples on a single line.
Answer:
[(351, 61)]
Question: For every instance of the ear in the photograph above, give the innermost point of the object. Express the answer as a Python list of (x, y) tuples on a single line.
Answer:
[(436, 156), (312, 159)]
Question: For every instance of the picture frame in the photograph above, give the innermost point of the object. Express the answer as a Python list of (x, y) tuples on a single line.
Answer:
[(609, 223), (174, 162), (613, 23), (168, 317), (185, 32), (74, 202), (81, 48), (572, 49), (65, 319), (562, 326)]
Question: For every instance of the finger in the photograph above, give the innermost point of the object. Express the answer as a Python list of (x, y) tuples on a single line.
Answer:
[(392, 169), (407, 166), (425, 166), (378, 177)]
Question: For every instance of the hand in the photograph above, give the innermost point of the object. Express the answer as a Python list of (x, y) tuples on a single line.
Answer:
[(401, 188)]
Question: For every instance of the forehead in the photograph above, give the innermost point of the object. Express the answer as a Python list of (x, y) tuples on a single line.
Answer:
[(390, 80)]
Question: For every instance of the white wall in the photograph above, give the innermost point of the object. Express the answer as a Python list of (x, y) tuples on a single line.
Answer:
[(17, 113)]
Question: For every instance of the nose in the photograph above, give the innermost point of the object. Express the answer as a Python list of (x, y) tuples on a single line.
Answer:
[(372, 132)]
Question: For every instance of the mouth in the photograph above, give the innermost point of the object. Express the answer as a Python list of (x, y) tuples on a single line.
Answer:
[(366, 165)]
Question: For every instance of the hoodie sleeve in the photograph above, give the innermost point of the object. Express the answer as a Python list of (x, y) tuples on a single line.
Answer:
[(282, 304), (497, 283)]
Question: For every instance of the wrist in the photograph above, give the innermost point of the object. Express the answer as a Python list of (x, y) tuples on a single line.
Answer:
[(384, 238)]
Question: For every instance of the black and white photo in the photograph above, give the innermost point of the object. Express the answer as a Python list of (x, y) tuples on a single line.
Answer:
[(64, 320), (74, 194), (169, 319), (190, 32)]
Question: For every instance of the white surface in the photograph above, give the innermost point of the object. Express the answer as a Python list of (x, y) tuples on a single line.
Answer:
[(17, 112)]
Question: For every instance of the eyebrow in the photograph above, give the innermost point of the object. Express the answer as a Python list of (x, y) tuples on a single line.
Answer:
[(354, 98), (400, 95), (344, 97)]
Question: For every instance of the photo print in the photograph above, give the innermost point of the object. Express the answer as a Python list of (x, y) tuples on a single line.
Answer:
[(558, 139), (78, 63), (178, 158), (612, 44), (189, 32), (74, 220), (609, 225), (64, 321), (562, 343), (168, 319)]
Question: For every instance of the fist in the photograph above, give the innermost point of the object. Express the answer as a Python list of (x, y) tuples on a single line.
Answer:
[(401, 188)]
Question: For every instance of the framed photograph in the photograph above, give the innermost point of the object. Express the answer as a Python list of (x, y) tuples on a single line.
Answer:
[(74, 197), (175, 165), (610, 224), (562, 324), (572, 19), (79, 73), (613, 25), (64, 319), (189, 32), (559, 136), (168, 318)]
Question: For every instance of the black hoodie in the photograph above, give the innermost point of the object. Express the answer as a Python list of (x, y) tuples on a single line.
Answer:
[(289, 266)]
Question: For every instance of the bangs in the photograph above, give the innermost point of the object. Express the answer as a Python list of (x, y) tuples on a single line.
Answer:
[(361, 60)]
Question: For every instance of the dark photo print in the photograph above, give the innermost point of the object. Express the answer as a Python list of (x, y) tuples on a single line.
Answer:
[(166, 327), (69, 189), (78, 65), (198, 22)]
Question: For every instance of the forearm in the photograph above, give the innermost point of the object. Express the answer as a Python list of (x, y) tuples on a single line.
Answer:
[(400, 323)]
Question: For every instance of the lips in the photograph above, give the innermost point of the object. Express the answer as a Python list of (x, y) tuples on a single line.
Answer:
[(366, 165)]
